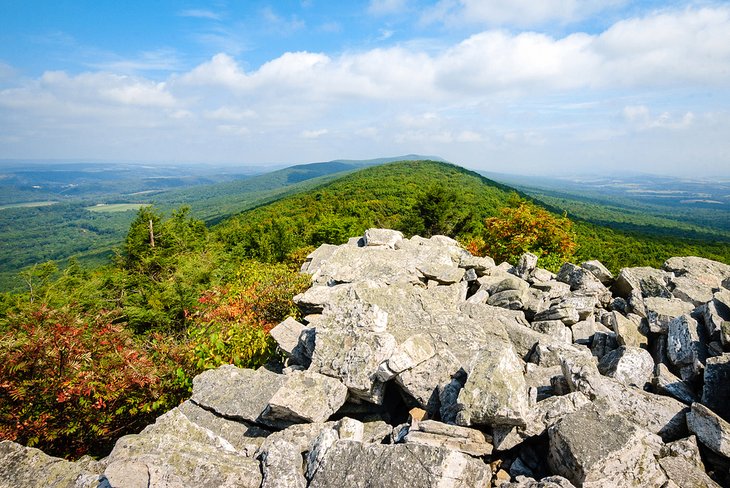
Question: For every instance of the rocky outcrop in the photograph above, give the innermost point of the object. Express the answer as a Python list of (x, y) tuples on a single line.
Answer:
[(417, 364)]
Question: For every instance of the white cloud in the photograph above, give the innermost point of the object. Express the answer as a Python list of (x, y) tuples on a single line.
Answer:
[(200, 14), (385, 7), (230, 113), (641, 118), (314, 134), (521, 13)]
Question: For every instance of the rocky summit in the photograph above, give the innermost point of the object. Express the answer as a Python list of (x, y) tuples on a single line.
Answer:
[(417, 364)]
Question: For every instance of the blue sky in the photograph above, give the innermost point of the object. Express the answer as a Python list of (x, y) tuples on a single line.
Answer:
[(517, 86)]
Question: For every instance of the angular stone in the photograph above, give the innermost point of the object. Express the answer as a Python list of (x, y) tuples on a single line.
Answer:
[(415, 350), (661, 311), (382, 237), (479, 264), (353, 357), (554, 328), (642, 281), (716, 390), (615, 453), (627, 332), (510, 299), (658, 414), (177, 452), (691, 290), (444, 274), (715, 313), (540, 275), (454, 437), (710, 273), (597, 269), (685, 345), (236, 393), (243, 436), (559, 310), (306, 396), (582, 332), (526, 265), (286, 334), (495, 392), (281, 465), (547, 482), (424, 381), (579, 278), (711, 430), (354, 464), (666, 382), (686, 449), (603, 343), (300, 435), (22, 466), (682, 473), (629, 365)]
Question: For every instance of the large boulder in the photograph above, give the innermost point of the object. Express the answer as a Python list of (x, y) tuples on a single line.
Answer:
[(594, 449), (26, 466)]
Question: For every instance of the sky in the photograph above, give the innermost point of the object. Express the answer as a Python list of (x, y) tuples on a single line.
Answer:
[(514, 86)]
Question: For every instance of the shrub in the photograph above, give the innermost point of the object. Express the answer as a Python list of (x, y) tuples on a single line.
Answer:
[(72, 383)]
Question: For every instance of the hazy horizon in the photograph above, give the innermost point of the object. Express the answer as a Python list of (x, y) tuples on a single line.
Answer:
[(556, 88)]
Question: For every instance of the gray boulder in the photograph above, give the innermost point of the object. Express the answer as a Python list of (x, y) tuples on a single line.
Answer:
[(660, 311), (629, 365), (382, 237), (348, 463), (178, 452), (238, 394), (281, 465), (453, 437), (597, 269), (286, 334), (716, 389), (495, 392), (667, 383), (711, 430), (691, 290), (686, 346), (306, 396), (642, 282), (22, 466), (709, 273), (627, 331), (683, 473), (579, 279), (615, 453)]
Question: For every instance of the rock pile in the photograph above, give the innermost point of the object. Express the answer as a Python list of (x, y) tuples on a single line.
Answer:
[(419, 365)]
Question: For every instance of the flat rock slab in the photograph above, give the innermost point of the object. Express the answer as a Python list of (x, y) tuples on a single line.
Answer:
[(454, 437), (710, 429), (244, 436), (306, 396), (593, 449), (286, 334), (22, 466), (236, 393), (178, 452), (629, 365), (353, 464), (716, 391)]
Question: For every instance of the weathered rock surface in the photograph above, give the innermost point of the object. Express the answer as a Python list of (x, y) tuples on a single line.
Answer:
[(417, 364), (348, 463)]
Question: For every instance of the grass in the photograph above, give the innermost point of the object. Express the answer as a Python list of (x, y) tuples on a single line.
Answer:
[(29, 204), (116, 207)]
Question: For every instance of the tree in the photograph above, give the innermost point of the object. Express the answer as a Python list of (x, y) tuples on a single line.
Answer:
[(525, 227), (438, 211)]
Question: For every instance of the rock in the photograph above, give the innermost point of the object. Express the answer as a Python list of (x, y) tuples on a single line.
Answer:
[(300, 435), (22, 466), (540, 275), (454, 437), (711, 430), (510, 299), (616, 453), (177, 452), (559, 310), (350, 429), (629, 365), (661, 311), (642, 281), (685, 346), (236, 393), (716, 313), (495, 392), (709, 273), (479, 264), (657, 414), (244, 436), (382, 237), (286, 334), (597, 269), (554, 328), (409, 354), (548, 482), (716, 390), (349, 463), (306, 396), (579, 278), (444, 274), (424, 381), (603, 343), (582, 332), (526, 265), (627, 332), (686, 449), (682, 473), (691, 290), (666, 382), (281, 465)]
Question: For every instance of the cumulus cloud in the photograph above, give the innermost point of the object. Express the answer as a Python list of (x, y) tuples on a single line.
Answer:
[(200, 14), (641, 118)]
